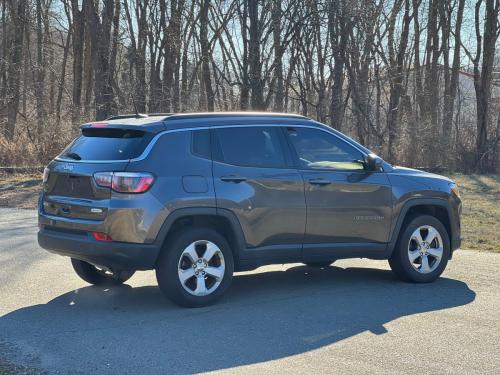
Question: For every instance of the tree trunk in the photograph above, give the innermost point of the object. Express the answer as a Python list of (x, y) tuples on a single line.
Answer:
[(63, 77), (78, 43), (396, 59), (338, 40), (245, 79), (103, 91), (450, 93), (255, 65), (483, 78), (114, 49), (89, 57), (205, 56), (279, 94), (18, 14), (39, 70)]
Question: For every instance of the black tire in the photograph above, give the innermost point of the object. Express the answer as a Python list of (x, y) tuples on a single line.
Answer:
[(168, 263), (400, 261), (91, 274), (319, 264)]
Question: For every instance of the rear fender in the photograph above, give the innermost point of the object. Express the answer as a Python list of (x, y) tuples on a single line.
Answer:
[(180, 213)]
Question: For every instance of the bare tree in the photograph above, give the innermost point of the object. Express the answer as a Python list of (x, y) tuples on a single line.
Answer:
[(485, 54), (101, 41), (205, 55), (337, 27), (396, 61), (391, 74), (78, 30), (17, 10), (254, 61), (138, 51)]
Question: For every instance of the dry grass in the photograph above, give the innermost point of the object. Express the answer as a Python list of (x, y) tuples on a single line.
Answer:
[(22, 151), (20, 190), (480, 195), (480, 211)]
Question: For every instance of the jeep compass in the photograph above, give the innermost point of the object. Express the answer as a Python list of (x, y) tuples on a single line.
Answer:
[(199, 196)]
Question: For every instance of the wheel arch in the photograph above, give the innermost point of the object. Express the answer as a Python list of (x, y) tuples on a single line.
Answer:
[(221, 220), (436, 207)]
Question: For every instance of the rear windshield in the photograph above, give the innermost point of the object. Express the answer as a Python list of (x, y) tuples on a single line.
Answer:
[(107, 144)]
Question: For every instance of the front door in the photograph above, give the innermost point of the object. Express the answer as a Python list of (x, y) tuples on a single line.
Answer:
[(255, 179), (347, 206)]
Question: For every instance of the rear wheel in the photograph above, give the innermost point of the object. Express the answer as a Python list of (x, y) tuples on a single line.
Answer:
[(422, 250), (319, 264), (195, 267), (99, 276)]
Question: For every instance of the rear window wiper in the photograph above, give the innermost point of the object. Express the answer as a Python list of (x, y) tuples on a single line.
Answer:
[(73, 155)]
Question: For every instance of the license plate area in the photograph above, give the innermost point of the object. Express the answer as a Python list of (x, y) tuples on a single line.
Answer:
[(58, 206), (68, 185)]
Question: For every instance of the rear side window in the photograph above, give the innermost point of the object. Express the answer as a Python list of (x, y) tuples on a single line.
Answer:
[(200, 143), (251, 147), (107, 144)]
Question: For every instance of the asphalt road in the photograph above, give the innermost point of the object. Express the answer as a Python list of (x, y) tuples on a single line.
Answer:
[(354, 317)]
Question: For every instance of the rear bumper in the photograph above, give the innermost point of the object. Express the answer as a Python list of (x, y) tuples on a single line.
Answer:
[(114, 255)]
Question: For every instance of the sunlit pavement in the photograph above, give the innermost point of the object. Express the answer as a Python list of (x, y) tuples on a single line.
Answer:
[(353, 317)]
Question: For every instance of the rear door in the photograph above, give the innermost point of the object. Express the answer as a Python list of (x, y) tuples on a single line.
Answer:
[(347, 206), (254, 178), (70, 190)]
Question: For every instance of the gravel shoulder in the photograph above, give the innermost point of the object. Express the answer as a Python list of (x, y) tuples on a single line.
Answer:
[(353, 317)]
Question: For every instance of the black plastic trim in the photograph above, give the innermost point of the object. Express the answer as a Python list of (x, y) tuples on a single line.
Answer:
[(454, 243), (115, 255), (202, 211)]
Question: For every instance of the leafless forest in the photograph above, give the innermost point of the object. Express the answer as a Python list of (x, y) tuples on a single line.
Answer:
[(417, 81)]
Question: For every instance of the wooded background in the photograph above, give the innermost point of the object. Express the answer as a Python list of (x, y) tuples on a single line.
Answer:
[(417, 81)]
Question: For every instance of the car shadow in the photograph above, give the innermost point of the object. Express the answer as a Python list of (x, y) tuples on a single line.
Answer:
[(263, 317)]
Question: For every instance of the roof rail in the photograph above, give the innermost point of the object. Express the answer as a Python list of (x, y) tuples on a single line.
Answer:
[(175, 116), (161, 114), (135, 115)]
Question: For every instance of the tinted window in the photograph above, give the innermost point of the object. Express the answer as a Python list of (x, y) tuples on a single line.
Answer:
[(251, 146), (317, 149), (107, 144), (201, 143)]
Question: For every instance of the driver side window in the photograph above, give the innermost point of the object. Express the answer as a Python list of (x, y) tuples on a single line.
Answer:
[(317, 149)]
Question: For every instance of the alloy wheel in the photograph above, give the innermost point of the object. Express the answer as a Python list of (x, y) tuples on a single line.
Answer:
[(425, 249), (201, 268)]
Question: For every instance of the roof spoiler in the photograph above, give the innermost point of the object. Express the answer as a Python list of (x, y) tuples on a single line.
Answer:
[(120, 117), (138, 115)]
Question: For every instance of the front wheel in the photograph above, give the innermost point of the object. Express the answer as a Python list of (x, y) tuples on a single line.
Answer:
[(99, 276), (195, 267), (422, 250)]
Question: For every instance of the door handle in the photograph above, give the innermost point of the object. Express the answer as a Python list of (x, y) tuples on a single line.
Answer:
[(319, 181), (233, 178)]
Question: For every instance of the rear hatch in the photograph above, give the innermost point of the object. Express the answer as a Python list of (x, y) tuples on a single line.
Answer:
[(70, 190)]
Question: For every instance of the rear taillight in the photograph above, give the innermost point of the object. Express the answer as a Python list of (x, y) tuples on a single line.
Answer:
[(132, 182), (103, 179), (125, 182)]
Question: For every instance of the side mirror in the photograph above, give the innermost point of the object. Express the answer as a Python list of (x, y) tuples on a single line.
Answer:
[(373, 162)]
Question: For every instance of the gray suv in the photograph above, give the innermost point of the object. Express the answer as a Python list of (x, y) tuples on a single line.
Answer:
[(199, 196)]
